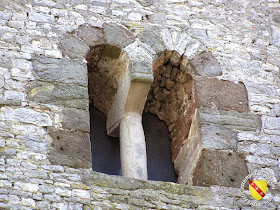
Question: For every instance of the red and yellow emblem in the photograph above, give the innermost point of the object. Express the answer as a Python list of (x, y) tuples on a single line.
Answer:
[(258, 188)]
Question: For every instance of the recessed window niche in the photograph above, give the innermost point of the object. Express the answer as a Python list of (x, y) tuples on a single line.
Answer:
[(103, 83)]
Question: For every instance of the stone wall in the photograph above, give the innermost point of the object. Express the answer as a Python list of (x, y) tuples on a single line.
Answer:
[(231, 52)]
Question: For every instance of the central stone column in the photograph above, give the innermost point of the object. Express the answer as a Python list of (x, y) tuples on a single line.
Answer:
[(125, 115), (133, 147)]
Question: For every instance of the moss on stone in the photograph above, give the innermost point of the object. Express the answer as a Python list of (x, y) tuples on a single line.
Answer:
[(79, 186), (92, 178)]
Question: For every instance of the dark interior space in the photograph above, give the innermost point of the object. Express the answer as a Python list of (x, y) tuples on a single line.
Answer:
[(106, 149), (160, 166)]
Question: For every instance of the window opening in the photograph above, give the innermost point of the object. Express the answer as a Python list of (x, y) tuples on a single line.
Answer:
[(106, 149)]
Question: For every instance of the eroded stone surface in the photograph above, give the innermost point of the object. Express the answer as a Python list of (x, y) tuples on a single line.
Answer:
[(60, 70), (220, 168), (221, 94), (230, 119), (92, 36), (60, 94), (73, 47), (70, 148), (152, 38), (75, 119), (112, 31), (205, 64), (25, 115), (218, 137)]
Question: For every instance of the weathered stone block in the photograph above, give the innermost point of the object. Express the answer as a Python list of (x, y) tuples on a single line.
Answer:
[(112, 31), (75, 119), (193, 49), (218, 137), (60, 70), (175, 58), (230, 119), (73, 47), (275, 35), (205, 64), (272, 123), (92, 36), (145, 3), (152, 38), (221, 94), (59, 94), (70, 148), (140, 62), (219, 168), (207, 128), (25, 115)]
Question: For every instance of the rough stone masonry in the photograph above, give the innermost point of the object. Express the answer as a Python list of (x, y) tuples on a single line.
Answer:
[(216, 85)]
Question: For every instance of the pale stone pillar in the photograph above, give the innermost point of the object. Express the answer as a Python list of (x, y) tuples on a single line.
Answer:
[(133, 146), (125, 115)]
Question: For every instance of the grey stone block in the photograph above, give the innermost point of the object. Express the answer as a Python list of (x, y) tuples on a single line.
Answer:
[(91, 36), (59, 94), (151, 37), (272, 123), (218, 137), (60, 70), (276, 18), (120, 184), (111, 31), (44, 188), (220, 168), (145, 3), (5, 184), (70, 148), (36, 174), (230, 119), (43, 205), (52, 198), (74, 47), (8, 152), (75, 119), (140, 63), (276, 151), (205, 64)]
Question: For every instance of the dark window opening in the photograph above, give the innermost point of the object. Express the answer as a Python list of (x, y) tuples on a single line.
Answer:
[(106, 149)]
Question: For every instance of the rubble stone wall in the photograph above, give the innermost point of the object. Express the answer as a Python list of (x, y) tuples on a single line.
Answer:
[(222, 56)]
